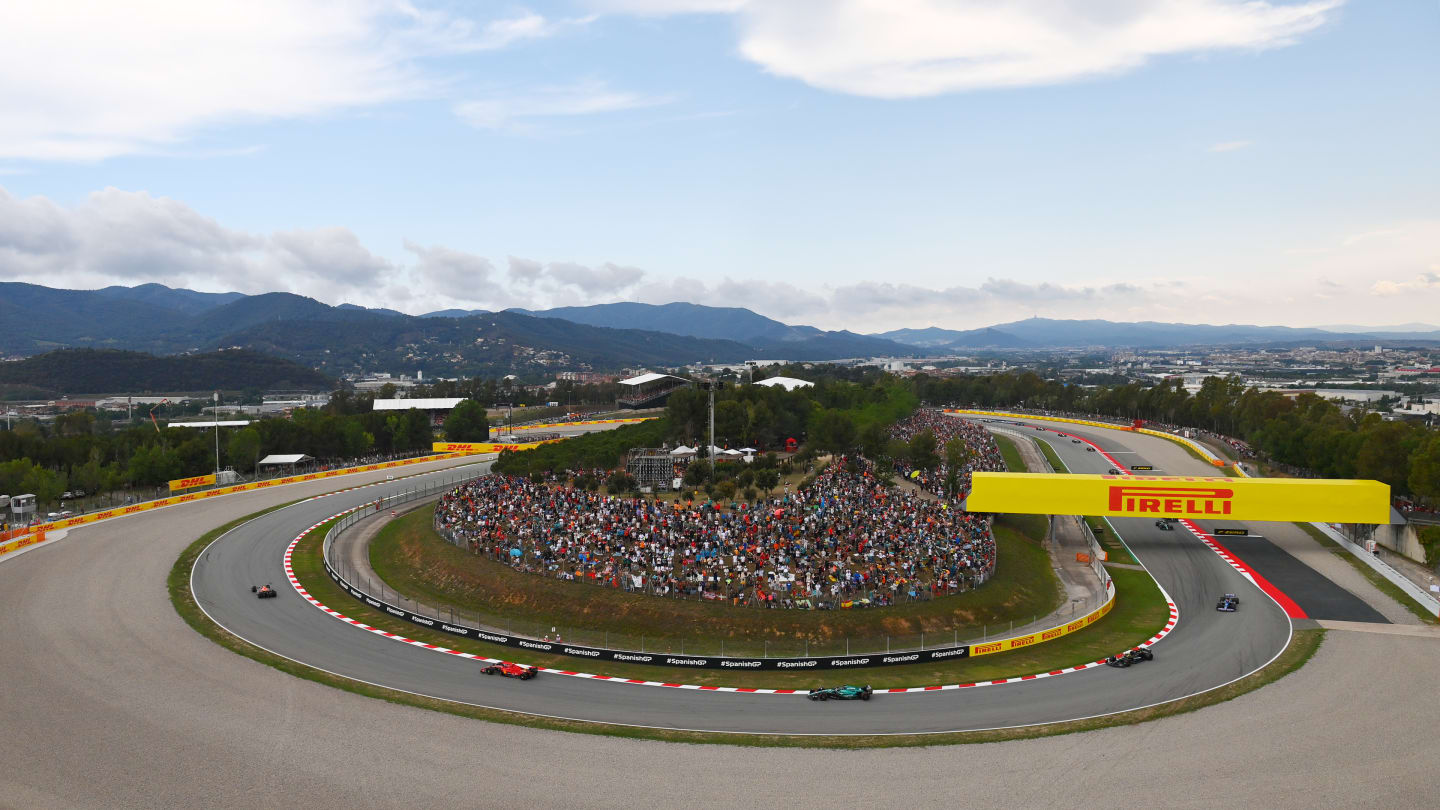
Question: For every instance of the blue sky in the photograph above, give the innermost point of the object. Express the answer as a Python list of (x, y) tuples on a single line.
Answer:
[(849, 164)]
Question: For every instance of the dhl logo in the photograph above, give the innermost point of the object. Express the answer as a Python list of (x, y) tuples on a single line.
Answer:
[(1171, 500)]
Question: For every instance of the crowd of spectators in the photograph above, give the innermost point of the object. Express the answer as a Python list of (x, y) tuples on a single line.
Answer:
[(843, 540), (981, 451)]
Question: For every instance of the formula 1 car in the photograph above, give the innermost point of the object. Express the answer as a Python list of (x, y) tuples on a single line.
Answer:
[(1074, 441), (1089, 449), (1114, 471), (263, 592), (1164, 525), (1129, 657), (1229, 603), (841, 693), (510, 670)]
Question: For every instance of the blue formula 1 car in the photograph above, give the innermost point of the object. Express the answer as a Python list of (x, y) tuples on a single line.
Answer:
[(841, 693), (1229, 603)]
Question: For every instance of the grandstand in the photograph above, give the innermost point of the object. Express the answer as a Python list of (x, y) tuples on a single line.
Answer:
[(650, 390)]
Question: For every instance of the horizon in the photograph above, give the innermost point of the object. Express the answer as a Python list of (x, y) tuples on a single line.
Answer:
[(902, 164)]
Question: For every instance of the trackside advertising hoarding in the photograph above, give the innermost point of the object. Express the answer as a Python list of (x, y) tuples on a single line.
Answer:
[(473, 448), (193, 481), (1154, 496)]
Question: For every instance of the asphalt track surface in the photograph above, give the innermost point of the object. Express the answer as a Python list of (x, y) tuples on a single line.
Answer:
[(109, 700), (1206, 649)]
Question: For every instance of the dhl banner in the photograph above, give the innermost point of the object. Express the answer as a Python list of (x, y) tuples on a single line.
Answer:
[(473, 448), (1042, 636), (1155, 496), (552, 425), (191, 482), (31, 533)]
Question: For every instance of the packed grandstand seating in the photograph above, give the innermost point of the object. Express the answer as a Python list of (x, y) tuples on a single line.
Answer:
[(844, 540)]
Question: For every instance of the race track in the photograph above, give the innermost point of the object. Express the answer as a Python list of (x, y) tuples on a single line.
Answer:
[(110, 700)]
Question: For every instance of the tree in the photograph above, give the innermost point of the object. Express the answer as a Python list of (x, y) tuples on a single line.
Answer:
[(243, 450), (767, 479), (467, 423), (922, 451)]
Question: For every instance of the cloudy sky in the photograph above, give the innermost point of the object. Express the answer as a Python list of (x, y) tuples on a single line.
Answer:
[(860, 164)]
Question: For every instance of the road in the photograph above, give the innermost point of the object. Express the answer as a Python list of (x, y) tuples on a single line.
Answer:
[(111, 701)]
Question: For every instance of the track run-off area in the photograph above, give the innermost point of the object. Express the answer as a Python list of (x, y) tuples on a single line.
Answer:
[(111, 700)]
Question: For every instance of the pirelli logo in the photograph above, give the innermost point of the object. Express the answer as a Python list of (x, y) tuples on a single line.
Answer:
[(1157, 500)]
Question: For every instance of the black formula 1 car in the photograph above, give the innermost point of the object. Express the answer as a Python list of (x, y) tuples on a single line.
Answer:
[(1113, 471), (1164, 525), (1074, 441), (841, 693), (263, 592), (1089, 449), (1129, 657), (509, 670), (1229, 603)]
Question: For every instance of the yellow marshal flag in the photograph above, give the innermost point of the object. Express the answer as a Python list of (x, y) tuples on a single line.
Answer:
[(193, 481), (1154, 496)]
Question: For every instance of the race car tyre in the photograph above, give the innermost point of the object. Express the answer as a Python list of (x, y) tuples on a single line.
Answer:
[(865, 696)]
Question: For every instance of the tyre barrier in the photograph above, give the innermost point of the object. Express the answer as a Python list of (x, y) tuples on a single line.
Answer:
[(858, 661)]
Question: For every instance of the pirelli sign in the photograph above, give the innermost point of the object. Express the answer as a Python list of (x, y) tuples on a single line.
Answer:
[(1155, 496)]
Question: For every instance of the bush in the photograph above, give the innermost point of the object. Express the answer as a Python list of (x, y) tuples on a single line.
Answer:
[(751, 494), (619, 482), (697, 473), (725, 490), (745, 479)]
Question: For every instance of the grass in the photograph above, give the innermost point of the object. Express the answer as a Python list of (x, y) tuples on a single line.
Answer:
[(1303, 646), (1050, 455), (1010, 453), (1386, 587), (1140, 611), (413, 560), (1110, 541)]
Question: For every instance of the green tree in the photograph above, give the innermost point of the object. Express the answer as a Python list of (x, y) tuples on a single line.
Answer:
[(243, 449), (922, 450), (467, 423)]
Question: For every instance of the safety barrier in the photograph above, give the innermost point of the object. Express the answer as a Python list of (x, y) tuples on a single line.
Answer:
[(1196, 446), (35, 533)]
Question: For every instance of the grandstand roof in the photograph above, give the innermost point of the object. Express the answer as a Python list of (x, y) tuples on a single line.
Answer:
[(292, 458), (651, 377), (436, 404), (231, 423), (788, 383)]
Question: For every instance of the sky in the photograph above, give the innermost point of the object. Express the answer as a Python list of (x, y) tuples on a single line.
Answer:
[(849, 164)]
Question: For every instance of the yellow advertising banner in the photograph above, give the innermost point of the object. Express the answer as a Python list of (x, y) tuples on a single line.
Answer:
[(1155, 496), (472, 448), (1042, 636), (193, 481)]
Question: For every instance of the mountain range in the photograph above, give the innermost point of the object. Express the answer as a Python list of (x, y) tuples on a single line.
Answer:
[(347, 338)]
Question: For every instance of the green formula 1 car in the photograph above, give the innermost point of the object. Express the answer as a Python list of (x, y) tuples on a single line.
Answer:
[(841, 693)]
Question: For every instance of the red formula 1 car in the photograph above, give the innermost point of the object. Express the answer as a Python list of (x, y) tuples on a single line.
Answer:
[(510, 670), (263, 592)]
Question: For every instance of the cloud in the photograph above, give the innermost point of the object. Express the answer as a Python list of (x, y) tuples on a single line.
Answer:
[(525, 271), (1228, 146), (86, 81), (1424, 282), (909, 48), (517, 111)]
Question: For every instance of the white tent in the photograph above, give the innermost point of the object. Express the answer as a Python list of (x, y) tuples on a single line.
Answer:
[(682, 450), (788, 383)]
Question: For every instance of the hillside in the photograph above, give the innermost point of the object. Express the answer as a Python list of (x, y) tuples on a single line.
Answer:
[(109, 371)]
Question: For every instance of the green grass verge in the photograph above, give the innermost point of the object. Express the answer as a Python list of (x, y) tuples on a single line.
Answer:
[(1105, 534), (1010, 453), (1055, 462), (1139, 613), (413, 560), (1386, 587)]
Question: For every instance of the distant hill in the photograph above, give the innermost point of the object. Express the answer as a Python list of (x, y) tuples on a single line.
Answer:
[(936, 338), (189, 302), (771, 338), (110, 371)]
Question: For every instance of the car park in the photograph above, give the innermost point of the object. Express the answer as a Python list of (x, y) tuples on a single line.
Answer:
[(507, 669), (846, 692)]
